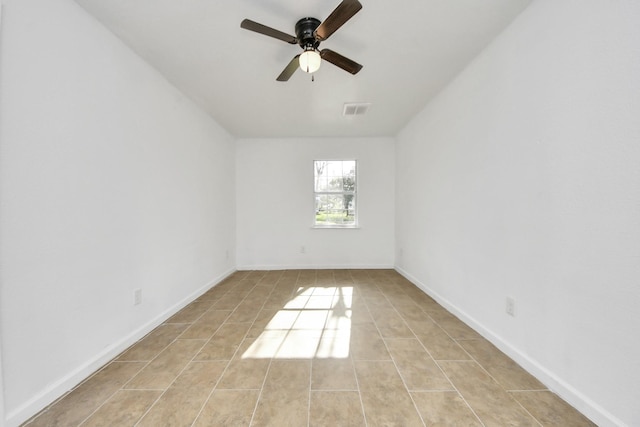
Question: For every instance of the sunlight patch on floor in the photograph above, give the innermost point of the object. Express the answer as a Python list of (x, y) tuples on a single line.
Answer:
[(316, 323)]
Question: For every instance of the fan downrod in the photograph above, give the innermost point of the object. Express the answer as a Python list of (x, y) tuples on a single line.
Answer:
[(305, 29)]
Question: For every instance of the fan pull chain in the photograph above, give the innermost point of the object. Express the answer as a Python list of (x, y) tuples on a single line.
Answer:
[(309, 73), (313, 78)]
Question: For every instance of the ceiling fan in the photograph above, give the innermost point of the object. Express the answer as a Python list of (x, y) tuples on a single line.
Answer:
[(309, 33)]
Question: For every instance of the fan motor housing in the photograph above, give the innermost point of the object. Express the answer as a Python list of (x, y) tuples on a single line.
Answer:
[(304, 32)]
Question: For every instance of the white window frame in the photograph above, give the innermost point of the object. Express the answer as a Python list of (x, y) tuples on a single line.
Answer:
[(319, 193)]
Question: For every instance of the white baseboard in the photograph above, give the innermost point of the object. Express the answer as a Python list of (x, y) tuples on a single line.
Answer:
[(317, 267), (574, 397), (75, 377)]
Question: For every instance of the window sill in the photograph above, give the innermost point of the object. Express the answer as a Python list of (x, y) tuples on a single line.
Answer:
[(336, 227)]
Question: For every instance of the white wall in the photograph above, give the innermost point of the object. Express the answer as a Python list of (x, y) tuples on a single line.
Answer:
[(2, 412), (275, 204), (110, 181), (522, 179)]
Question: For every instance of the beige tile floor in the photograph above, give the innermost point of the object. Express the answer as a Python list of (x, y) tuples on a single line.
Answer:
[(312, 348)]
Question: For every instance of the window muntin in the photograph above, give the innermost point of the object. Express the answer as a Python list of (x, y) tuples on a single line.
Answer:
[(335, 193)]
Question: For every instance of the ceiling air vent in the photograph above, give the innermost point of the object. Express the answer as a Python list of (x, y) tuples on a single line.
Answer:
[(355, 108)]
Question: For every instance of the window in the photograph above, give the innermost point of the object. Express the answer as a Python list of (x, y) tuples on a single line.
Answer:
[(335, 193)]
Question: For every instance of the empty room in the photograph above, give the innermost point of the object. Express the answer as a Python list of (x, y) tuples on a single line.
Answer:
[(319, 213)]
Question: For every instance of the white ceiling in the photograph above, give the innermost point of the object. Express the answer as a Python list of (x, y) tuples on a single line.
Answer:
[(410, 49)]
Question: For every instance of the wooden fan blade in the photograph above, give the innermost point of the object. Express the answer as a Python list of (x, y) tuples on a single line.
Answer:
[(338, 17), (250, 25), (340, 61), (289, 69)]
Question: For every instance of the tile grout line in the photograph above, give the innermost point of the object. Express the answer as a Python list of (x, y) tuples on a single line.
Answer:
[(190, 361), (477, 362), (148, 362), (169, 386), (317, 346), (526, 410), (266, 375), (438, 365), (441, 370), (384, 341), (309, 394), (264, 380), (111, 395), (364, 415), (353, 366), (55, 402), (187, 364), (215, 387)]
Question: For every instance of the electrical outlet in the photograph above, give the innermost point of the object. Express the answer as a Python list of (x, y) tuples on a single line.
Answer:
[(510, 307), (303, 250), (137, 297)]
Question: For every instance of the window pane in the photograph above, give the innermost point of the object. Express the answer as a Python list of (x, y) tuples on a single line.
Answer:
[(335, 183), (335, 176), (320, 175)]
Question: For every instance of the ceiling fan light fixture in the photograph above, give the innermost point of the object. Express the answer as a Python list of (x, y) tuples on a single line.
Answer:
[(310, 60), (310, 32)]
